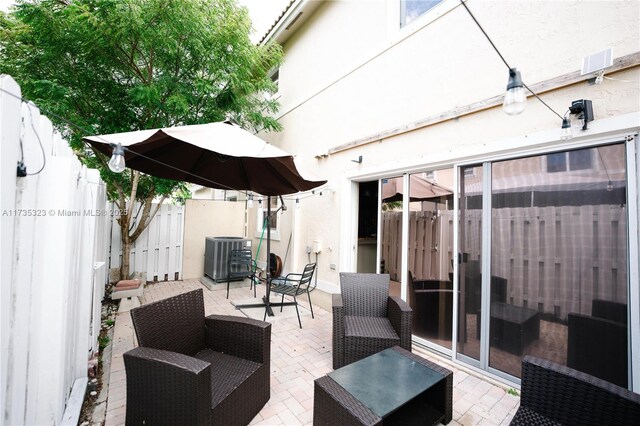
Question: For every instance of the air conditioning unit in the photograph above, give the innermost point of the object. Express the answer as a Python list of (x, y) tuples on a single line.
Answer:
[(216, 255)]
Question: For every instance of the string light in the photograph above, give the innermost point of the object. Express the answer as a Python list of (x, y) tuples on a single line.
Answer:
[(515, 98), (117, 163), (300, 196), (566, 133)]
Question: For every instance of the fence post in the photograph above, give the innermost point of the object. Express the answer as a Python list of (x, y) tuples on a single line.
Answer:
[(9, 133)]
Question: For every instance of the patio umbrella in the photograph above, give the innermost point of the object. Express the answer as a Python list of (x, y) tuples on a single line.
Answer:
[(420, 190), (217, 155)]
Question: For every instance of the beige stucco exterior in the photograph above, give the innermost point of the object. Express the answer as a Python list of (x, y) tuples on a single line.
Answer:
[(207, 218), (362, 100), (350, 73)]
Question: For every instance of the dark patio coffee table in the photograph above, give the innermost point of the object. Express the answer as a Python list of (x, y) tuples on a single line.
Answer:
[(391, 387)]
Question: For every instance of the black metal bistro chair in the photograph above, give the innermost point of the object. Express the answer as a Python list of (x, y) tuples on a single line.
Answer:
[(294, 284), (241, 265)]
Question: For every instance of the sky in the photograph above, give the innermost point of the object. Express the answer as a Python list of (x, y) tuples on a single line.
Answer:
[(263, 13)]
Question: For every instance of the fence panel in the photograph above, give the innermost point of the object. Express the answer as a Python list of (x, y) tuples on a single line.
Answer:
[(430, 243), (558, 259), (555, 259), (52, 242), (158, 250)]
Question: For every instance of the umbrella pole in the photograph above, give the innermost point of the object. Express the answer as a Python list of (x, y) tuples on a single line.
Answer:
[(266, 301)]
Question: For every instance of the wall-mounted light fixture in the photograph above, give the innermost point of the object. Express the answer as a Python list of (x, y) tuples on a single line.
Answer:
[(359, 160), (116, 163), (583, 110)]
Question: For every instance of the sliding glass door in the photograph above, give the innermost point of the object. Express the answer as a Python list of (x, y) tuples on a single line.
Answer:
[(556, 284), (430, 256)]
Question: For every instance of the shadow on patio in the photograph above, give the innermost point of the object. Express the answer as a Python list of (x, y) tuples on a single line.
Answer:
[(298, 356)]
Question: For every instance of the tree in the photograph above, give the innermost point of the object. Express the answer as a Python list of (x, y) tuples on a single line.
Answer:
[(108, 66)]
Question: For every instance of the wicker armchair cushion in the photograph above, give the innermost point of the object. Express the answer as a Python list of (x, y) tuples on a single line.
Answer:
[(608, 310), (566, 396), (181, 329), (366, 295), (369, 327), (227, 373), (526, 417)]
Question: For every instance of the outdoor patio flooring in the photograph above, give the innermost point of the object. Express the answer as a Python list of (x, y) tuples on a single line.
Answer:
[(298, 356)]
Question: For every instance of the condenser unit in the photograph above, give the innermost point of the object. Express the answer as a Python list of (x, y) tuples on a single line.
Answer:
[(216, 255)]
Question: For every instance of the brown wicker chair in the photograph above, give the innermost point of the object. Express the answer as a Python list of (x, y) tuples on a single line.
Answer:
[(554, 394), (366, 319), (195, 370)]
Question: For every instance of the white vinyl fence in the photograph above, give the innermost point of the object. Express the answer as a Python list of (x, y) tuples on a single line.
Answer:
[(158, 250), (54, 252)]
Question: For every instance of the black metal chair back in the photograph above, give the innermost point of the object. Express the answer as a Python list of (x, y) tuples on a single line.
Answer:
[(305, 277), (293, 285), (240, 265)]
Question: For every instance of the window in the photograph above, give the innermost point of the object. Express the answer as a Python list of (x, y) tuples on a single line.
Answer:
[(412, 9), (569, 161), (262, 214), (275, 77)]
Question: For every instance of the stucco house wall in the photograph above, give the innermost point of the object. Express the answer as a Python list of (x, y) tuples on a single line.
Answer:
[(350, 74), (428, 96)]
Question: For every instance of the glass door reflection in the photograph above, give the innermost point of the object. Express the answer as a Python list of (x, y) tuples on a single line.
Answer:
[(430, 254)]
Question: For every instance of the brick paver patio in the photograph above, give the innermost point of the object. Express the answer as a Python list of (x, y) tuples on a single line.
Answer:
[(298, 356)]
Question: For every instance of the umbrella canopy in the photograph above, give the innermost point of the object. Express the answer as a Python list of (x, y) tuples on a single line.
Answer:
[(217, 155), (420, 190)]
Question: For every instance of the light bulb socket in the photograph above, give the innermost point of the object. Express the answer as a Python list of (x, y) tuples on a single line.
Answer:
[(515, 79), (117, 149), (566, 133)]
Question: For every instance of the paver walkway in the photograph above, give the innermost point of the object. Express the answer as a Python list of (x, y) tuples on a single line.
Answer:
[(298, 356)]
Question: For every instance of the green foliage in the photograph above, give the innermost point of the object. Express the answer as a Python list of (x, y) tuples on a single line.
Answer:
[(120, 65), (513, 392), (391, 205), (103, 341)]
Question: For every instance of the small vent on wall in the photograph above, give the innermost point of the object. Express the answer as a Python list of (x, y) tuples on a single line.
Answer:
[(597, 61)]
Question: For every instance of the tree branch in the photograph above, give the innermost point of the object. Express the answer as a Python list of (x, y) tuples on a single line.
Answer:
[(134, 190), (146, 218)]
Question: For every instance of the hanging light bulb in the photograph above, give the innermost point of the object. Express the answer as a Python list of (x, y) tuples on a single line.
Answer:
[(250, 200), (515, 100), (609, 186), (566, 133), (116, 163), (297, 204)]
